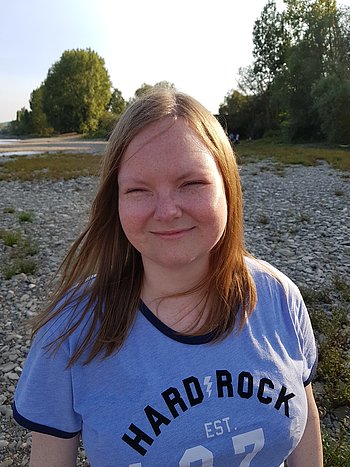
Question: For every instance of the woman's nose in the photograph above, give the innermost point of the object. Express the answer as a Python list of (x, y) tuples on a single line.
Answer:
[(167, 207)]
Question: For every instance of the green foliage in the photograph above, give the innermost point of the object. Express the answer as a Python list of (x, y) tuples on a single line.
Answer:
[(50, 167), (331, 323), (307, 155), (336, 448), (109, 118), (20, 126), (24, 216), (18, 266), (10, 237), (9, 210), (271, 41), (299, 80), (18, 254), (304, 68), (145, 88), (247, 82), (33, 122), (77, 91), (106, 125), (331, 99), (236, 111), (38, 123), (117, 104)]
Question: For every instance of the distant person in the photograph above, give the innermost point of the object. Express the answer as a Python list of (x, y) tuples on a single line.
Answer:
[(166, 343), (231, 137), (237, 138)]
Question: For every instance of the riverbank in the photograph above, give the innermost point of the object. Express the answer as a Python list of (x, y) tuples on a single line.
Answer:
[(65, 144), (296, 218)]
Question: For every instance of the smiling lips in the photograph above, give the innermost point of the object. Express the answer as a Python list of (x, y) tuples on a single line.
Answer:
[(171, 234)]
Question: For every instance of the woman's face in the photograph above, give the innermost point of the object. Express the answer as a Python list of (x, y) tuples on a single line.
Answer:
[(172, 203)]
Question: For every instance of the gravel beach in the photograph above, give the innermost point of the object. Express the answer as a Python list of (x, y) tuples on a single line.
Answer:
[(296, 217)]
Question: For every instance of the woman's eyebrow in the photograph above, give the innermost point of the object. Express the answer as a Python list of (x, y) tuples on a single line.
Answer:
[(193, 173), (130, 179)]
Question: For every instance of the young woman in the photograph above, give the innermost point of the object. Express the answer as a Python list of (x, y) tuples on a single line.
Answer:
[(167, 344)]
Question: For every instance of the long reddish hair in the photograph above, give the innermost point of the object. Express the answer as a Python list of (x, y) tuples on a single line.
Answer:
[(102, 251)]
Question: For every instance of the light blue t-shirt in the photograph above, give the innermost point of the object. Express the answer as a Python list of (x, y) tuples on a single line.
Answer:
[(171, 400)]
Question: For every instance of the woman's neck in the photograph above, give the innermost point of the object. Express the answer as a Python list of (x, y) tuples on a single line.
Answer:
[(164, 294)]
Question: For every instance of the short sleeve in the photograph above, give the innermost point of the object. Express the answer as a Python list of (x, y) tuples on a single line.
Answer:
[(300, 321), (308, 344), (303, 328), (44, 399)]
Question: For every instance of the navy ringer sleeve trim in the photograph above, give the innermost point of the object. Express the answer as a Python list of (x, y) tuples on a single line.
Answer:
[(313, 372), (46, 430)]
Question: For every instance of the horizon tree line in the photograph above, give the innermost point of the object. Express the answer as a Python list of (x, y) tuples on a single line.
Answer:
[(296, 89), (298, 86)]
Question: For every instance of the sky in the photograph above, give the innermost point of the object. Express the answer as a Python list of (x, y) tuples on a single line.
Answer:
[(198, 45)]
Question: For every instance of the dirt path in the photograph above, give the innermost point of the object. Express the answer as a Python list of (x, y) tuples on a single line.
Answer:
[(67, 144)]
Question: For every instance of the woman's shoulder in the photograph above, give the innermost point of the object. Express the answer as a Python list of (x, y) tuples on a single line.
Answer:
[(268, 276), (72, 311)]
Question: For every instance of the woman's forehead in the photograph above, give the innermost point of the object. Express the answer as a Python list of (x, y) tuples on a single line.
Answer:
[(162, 131), (169, 148)]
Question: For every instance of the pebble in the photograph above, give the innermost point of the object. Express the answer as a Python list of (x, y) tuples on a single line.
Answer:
[(293, 218)]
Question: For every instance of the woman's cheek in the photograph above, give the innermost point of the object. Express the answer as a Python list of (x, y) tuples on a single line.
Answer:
[(132, 212)]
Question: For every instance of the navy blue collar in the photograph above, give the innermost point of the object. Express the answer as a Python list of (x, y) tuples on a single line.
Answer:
[(163, 328)]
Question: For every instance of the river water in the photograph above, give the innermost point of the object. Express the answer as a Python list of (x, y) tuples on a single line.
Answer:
[(9, 141)]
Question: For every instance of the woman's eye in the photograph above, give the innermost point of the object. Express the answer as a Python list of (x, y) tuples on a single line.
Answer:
[(134, 190), (194, 183)]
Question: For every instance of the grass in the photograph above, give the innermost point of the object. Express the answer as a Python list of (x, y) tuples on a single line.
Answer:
[(10, 237), (24, 216), (9, 210), (293, 153), (18, 254), (18, 266), (49, 167), (67, 166), (336, 449), (330, 317)]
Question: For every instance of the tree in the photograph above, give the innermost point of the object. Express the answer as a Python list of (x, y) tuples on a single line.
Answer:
[(247, 81), (117, 103), (145, 88), (165, 84), (271, 42), (77, 91), (294, 50), (315, 32), (331, 96), (38, 123), (236, 113), (20, 126), (304, 69), (296, 19)]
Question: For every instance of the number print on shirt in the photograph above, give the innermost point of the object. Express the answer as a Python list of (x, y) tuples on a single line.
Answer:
[(239, 442), (198, 453)]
